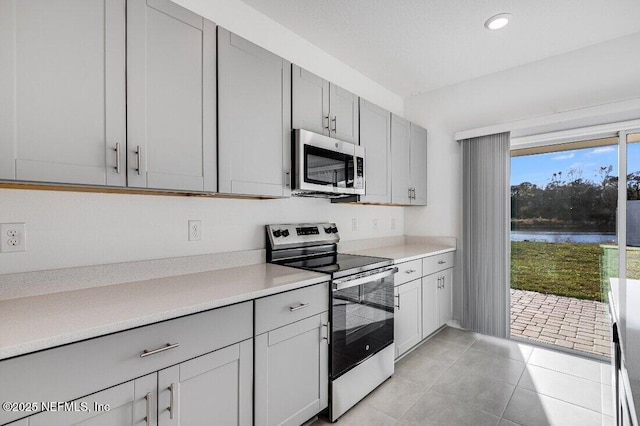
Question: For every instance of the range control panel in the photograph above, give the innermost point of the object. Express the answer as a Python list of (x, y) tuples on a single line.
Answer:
[(302, 234)]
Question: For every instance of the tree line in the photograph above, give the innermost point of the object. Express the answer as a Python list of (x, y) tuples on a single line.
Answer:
[(570, 202)]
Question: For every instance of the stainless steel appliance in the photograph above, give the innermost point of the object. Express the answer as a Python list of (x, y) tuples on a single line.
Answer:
[(326, 167), (361, 307)]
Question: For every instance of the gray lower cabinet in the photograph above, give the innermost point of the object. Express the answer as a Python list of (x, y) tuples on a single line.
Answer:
[(409, 162), (375, 137), (128, 404), (171, 97), (291, 372), (445, 296), (211, 389), (62, 91), (323, 107), (436, 301), (254, 119), (407, 321)]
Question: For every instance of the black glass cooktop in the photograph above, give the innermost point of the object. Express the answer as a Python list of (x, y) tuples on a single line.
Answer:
[(339, 265)]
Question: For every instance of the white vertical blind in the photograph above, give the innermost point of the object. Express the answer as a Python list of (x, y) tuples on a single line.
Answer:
[(485, 235)]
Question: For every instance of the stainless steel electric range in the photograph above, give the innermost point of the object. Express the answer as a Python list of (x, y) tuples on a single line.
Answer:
[(361, 307)]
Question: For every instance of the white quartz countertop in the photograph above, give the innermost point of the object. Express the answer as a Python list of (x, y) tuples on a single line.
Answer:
[(34, 323), (406, 252)]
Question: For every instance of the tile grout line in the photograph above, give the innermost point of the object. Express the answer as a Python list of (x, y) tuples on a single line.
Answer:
[(560, 400)]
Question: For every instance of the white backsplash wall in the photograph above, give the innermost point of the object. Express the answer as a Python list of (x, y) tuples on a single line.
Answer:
[(69, 229)]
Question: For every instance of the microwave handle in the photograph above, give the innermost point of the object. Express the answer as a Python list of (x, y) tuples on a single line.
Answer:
[(349, 282)]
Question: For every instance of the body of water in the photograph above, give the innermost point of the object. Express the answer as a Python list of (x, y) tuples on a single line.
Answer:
[(563, 237)]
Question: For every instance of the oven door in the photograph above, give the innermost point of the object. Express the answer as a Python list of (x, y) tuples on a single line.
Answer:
[(361, 319)]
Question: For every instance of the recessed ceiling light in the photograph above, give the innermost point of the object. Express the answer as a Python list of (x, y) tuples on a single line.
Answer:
[(498, 21)]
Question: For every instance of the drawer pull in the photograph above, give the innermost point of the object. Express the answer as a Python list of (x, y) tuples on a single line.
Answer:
[(397, 296), (171, 408), (147, 352), (300, 306), (328, 338), (410, 271), (441, 262)]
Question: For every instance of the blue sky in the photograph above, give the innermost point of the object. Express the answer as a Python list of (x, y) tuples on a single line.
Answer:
[(539, 168)]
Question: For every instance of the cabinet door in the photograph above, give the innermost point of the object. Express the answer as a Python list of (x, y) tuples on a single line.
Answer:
[(418, 164), (211, 389), (171, 97), (400, 176), (407, 321), (292, 372), (375, 137), (254, 126), (445, 293), (62, 91), (430, 304), (128, 404), (310, 101), (343, 111)]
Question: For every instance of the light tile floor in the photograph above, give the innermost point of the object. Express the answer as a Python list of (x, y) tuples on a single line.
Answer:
[(459, 378)]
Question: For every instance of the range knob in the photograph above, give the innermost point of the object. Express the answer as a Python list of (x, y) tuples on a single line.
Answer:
[(334, 229), (277, 233), (328, 230), (285, 233)]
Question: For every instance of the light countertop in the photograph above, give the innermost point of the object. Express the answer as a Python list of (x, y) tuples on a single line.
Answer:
[(408, 251), (34, 323)]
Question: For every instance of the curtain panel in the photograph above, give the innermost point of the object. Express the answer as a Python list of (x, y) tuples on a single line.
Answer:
[(485, 235)]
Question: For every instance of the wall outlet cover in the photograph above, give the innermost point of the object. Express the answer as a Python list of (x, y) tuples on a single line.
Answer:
[(195, 230), (13, 237)]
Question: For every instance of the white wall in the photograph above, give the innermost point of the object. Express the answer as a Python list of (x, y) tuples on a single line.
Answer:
[(600, 74), (67, 229)]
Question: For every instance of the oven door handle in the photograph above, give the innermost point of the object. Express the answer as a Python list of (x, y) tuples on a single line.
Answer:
[(350, 282)]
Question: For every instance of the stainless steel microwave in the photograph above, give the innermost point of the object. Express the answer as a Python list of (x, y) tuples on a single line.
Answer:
[(324, 166)]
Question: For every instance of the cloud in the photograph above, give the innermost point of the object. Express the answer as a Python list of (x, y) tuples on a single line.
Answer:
[(576, 165), (564, 156), (602, 150)]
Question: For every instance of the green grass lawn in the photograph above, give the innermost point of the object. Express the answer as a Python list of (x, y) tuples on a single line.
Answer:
[(565, 269)]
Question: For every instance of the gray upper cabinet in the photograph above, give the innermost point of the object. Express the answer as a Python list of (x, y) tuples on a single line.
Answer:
[(400, 174), (409, 162), (62, 91), (171, 97), (418, 165), (375, 137), (323, 107), (310, 101), (254, 119)]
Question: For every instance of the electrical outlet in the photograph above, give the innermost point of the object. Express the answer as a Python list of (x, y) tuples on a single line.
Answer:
[(13, 237), (375, 224), (393, 223), (354, 224), (195, 230)]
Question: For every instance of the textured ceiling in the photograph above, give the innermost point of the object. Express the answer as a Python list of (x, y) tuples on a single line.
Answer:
[(414, 46)]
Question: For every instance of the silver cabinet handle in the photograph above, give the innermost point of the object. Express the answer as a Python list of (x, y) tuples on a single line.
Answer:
[(397, 296), (117, 150), (442, 282), (409, 193), (171, 410), (439, 278), (327, 118), (287, 178), (328, 336), (413, 193), (297, 308), (409, 271), (139, 160), (441, 262), (168, 346), (147, 419), (335, 123)]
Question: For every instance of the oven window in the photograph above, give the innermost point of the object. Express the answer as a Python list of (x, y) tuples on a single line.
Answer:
[(324, 167), (362, 323)]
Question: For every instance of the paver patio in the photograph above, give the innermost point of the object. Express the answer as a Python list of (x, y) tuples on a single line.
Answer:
[(582, 325)]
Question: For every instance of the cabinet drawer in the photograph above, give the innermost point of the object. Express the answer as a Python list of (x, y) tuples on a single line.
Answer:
[(69, 372), (440, 262), (284, 308), (408, 271)]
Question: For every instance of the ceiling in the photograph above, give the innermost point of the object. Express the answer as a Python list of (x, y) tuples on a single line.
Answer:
[(414, 46)]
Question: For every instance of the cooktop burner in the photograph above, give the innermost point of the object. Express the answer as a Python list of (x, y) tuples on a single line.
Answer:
[(338, 264)]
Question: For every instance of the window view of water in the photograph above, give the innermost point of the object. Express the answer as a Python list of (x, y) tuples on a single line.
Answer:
[(564, 237)]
